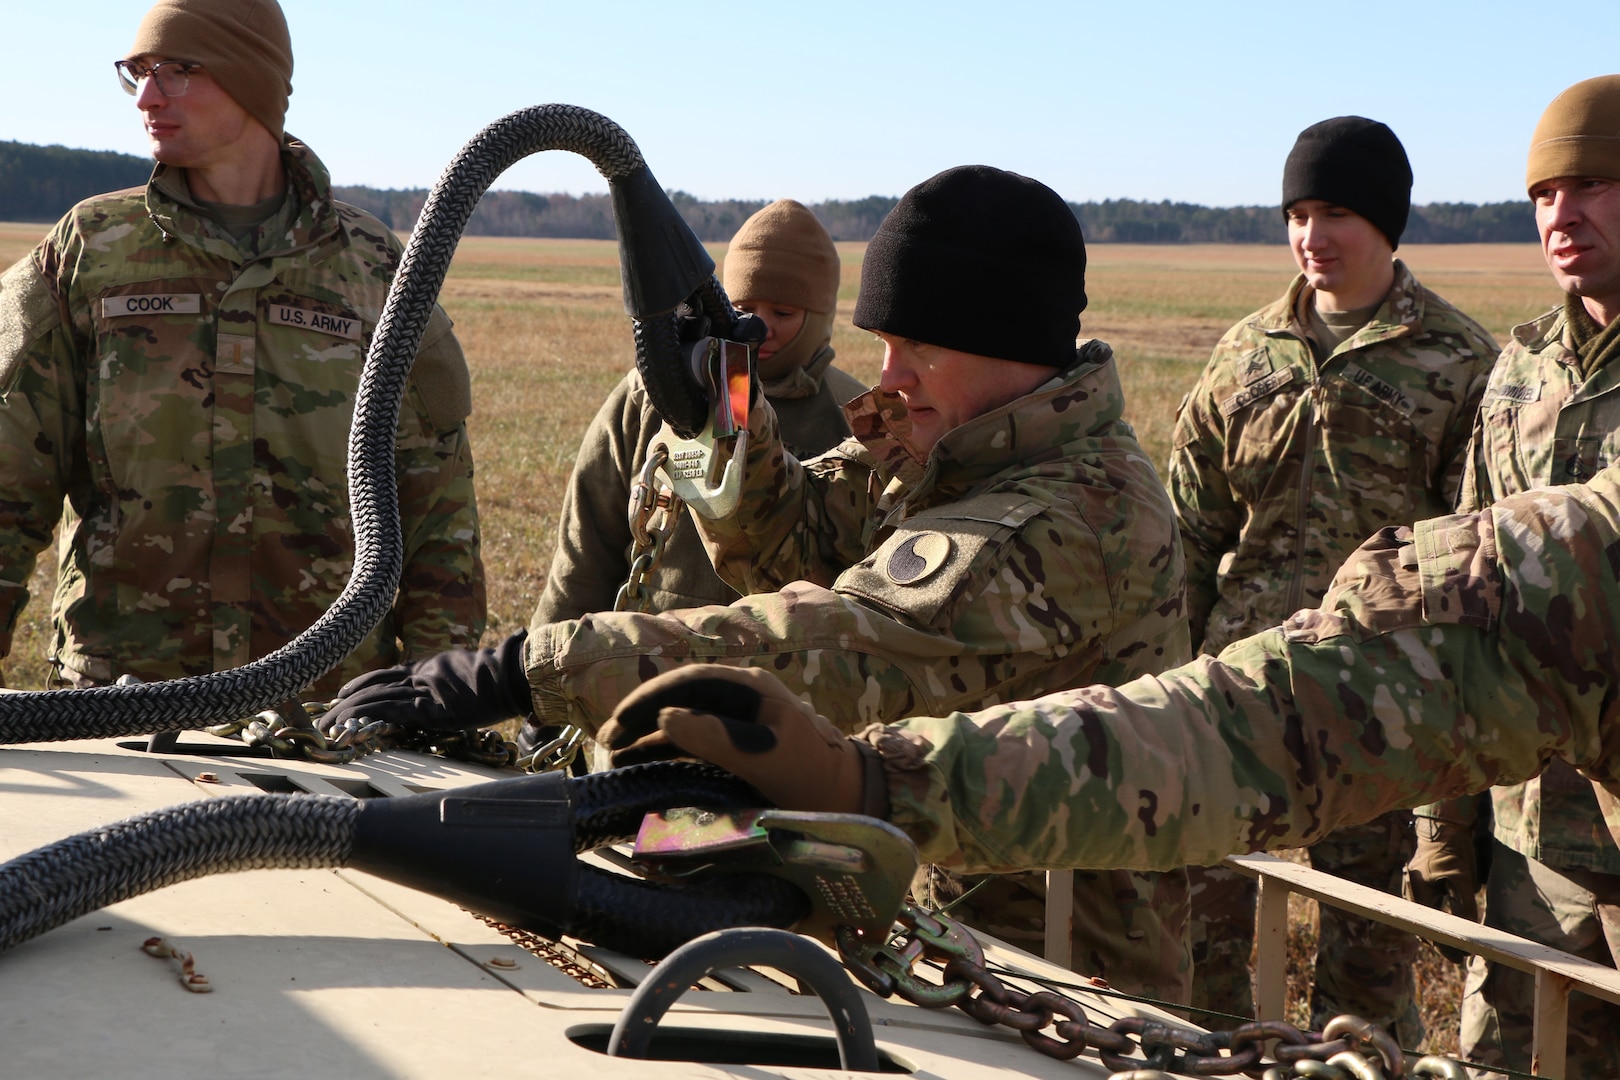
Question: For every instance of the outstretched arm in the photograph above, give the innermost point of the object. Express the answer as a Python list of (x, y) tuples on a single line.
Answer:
[(1463, 653)]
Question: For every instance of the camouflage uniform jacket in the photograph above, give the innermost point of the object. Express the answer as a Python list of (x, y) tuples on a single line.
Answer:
[(593, 536), (192, 404), (1280, 468), (1544, 423), (1033, 549), (1461, 653)]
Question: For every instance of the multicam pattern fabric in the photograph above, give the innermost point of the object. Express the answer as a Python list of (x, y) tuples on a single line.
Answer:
[(1279, 469), (1576, 911), (1543, 423), (593, 534), (1460, 653), (1281, 466), (192, 404), (1059, 566), (1031, 550)]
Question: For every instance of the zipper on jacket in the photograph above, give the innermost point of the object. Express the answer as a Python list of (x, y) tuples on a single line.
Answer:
[(1296, 587)]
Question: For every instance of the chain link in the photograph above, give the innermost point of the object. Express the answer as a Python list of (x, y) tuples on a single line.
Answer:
[(654, 512), (557, 753), (288, 731), (1348, 1048)]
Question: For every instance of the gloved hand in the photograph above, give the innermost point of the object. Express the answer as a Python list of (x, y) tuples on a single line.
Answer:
[(749, 329), (1442, 873), (745, 721), (463, 688)]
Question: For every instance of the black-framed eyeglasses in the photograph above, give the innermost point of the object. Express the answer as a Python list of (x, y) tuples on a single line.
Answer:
[(173, 77)]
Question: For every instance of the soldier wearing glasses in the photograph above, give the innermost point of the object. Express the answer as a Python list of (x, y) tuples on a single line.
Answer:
[(179, 363)]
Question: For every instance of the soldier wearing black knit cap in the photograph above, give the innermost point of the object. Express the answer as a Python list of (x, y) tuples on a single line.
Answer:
[(1342, 407), (991, 532)]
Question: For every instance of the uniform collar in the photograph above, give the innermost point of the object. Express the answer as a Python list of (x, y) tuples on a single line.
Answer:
[(1401, 312), (176, 213), (1037, 427), (1549, 337)]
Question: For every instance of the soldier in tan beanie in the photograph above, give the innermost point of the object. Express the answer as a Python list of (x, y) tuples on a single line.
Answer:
[(180, 363), (781, 266), (1551, 415)]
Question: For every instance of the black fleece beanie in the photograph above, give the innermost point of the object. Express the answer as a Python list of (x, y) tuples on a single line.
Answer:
[(1355, 163), (980, 260)]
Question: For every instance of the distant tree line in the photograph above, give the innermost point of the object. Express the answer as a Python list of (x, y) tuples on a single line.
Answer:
[(1126, 221), (39, 183), (590, 217), (1114, 221)]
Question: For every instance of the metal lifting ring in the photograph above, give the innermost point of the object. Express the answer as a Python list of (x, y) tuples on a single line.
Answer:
[(787, 952)]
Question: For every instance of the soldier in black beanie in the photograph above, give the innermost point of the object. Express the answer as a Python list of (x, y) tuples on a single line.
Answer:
[(963, 252), (1354, 163), (975, 283), (1343, 407), (974, 264), (991, 532)]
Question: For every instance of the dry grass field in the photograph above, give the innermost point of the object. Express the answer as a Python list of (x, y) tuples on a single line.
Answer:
[(546, 338)]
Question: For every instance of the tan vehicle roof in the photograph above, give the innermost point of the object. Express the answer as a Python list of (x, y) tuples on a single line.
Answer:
[(338, 973)]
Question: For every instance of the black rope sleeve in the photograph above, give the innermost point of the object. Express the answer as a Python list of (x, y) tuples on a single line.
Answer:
[(144, 709)]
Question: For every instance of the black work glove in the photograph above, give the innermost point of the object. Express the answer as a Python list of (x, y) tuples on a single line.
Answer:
[(1442, 873), (463, 688), (745, 721), (749, 329)]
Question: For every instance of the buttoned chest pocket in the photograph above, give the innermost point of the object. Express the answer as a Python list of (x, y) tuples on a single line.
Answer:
[(152, 391), (935, 562), (150, 401), (1264, 415), (311, 351), (1382, 443), (1530, 436)]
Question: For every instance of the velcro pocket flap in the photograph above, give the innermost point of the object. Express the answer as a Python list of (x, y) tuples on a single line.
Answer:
[(28, 311), (937, 559), (1457, 567)]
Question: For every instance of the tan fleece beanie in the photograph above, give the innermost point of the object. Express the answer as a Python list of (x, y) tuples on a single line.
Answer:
[(783, 254), (243, 43), (1579, 134)]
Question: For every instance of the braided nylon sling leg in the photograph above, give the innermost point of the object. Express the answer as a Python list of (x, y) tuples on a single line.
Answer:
[(144, 709)]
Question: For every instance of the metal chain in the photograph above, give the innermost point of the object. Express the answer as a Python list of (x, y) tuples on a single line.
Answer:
[(288, 731), (556, 753), (1348, 1048), (654, 512)]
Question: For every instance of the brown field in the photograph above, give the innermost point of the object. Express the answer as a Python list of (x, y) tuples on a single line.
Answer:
[(546, 338)]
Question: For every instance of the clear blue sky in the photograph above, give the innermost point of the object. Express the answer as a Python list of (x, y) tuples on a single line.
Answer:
[(1196, 102)]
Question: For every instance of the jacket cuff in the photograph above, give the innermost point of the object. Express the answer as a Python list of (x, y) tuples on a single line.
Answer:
[(918, 799)]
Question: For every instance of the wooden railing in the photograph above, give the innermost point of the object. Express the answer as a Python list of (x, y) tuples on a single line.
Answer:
[(1556, 973)]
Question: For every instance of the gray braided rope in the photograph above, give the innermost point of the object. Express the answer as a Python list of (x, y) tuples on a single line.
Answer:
[(144, 709), (57, 883)]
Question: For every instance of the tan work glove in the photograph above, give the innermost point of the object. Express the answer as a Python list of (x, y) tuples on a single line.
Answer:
[(1442, 873), (745, 721)]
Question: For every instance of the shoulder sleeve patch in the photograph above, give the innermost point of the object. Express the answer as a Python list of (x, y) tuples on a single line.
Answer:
[(940, 557), (440, 373), (27, 312)]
